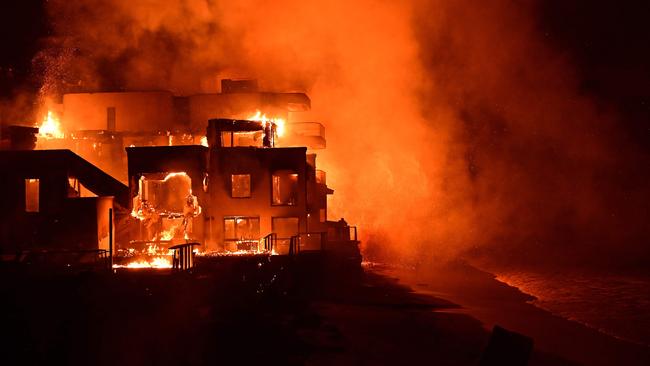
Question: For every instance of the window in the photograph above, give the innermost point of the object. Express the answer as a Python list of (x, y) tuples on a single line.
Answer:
[(285, 188), (323, 215), (240, 185), (32, 189), (241, 228)]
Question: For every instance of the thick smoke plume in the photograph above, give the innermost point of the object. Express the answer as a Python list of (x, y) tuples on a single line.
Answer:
[(452, 127)]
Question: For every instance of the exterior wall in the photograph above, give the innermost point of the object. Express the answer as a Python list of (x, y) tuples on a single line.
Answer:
[(160, 110), (60, 223), (62, 220), (260, 164), (134, 111), (82, 224)]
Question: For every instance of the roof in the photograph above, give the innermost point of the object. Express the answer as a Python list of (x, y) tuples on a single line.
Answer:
[(37, 163)]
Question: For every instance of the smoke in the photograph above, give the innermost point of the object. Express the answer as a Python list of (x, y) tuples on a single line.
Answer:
[(550, 175), (453, 129)]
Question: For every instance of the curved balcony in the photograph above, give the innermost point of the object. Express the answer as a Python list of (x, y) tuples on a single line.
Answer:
[(309, 134)]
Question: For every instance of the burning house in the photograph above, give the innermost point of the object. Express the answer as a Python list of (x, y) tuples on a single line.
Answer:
[(209, 172)]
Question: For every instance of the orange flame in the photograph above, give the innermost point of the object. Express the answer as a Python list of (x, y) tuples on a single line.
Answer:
[(51, 127), (156, 262), (204, 141), (279, 122)]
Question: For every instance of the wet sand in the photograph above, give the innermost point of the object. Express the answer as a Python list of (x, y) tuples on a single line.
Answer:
[(385, 322)]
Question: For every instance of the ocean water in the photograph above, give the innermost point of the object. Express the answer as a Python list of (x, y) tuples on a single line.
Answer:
[(614, 304)]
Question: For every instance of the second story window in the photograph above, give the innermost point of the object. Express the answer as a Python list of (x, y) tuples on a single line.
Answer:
[(240, 185), (285, 188)]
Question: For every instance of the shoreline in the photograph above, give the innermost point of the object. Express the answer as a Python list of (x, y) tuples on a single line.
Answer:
[(539, 303), (492, 302)]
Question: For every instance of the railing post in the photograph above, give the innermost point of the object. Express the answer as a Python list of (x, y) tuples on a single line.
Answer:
[(110, 239)]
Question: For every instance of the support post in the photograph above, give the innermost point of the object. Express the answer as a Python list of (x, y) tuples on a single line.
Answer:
[(110, 239)]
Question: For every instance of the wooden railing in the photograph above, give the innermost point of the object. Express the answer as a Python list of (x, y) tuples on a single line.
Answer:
[(183, 258), (310, 241), (294, 245), (270, 241)]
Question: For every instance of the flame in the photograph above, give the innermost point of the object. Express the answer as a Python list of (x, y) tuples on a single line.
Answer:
[(204, 141), (51, 127), (156, 262), (172, 175), (241, 252), (278, 122), (149, 214), (155, 250), (167, 234), (236, 253)]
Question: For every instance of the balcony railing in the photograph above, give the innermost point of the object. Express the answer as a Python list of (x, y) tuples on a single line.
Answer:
[(311, 241)]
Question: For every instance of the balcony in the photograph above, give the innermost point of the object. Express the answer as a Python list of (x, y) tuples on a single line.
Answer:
[(309, 134)]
